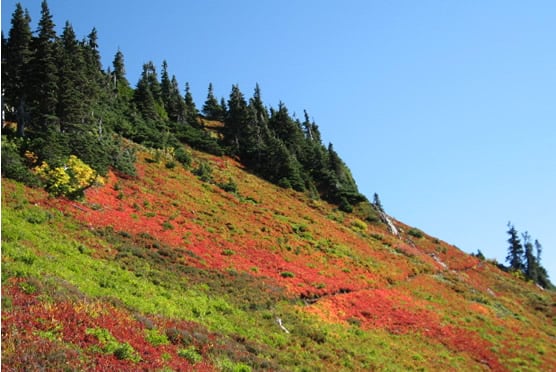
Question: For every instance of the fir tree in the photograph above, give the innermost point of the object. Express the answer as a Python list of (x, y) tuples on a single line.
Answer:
[(377, 203), (165, 86), (176, 106), (72, 81), (236, 121), (542, 275), (44, 73), (119, 70), (191, 112), (285, 128), (258, 133), (211, 109), (97, 87), (515, 250), (16, 55), (144, 97), (531, 264)]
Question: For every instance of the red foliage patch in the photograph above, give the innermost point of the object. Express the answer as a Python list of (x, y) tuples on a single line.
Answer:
[(59, 332), (399, 313)]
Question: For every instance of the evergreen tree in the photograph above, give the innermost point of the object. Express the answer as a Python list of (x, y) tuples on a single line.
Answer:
[(236, 121), (285, 128), (72, 97), (44, 74), (121, 110), (176, 108), (542, 275), (144, 97), (280, 166), (311, 129), (119, 70), (258, 134), (165, 86), (377, 203), (515, 250), (191, 112), (211, 109), (223, 110), (17, 54), (538, 248), (93, 54), (97, 87), (530, 261)]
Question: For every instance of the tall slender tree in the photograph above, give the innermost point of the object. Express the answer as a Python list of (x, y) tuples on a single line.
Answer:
[(191, 112), (119, 70), (165, 85), (515, 250), (531, 264), (16, 67), (44, 73), (72, 96), (236, 121)]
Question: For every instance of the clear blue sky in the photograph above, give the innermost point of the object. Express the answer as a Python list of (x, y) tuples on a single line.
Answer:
[(446, 109)]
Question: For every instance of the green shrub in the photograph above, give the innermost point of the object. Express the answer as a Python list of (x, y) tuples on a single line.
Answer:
[(204, 171), (13, 165), (191, 354), (110, 345), (416, 233), (287, 274), (229, 186), (155, 338), (182, 156)]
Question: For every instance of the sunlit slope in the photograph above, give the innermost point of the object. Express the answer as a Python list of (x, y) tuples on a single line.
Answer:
[(213, 268)]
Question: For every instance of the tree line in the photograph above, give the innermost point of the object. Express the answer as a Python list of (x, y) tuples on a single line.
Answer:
[(524, 257), (64, 103)]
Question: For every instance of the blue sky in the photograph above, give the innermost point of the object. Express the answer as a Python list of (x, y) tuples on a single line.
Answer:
[(446, 109)]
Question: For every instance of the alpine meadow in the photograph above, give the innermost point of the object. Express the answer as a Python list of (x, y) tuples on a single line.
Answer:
[(144, 231)]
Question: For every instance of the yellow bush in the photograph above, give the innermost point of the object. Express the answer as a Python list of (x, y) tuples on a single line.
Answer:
[(70, 180)]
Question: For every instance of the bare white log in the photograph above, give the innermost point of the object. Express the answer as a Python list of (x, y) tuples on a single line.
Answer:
[(279, 321)]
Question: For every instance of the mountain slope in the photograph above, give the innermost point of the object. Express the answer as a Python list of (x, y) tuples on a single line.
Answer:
[(214, 268)]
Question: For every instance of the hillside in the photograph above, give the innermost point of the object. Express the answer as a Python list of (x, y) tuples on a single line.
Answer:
[(178, 269)]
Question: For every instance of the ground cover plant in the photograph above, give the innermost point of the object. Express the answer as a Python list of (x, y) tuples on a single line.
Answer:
[(170, 271)]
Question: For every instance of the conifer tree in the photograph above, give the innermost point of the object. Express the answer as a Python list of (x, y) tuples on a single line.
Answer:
[(165, 85), (97, 87), (377, 203), (176, 107), (236, 121), (285, 128), (17, 54), (144, 97), (119, 70), (191, 112), (212, 110), (515, 250), (257, 131), (44, 73), (542, 275), (222, 110), (72, 83), (311, 129), (530, 261)]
